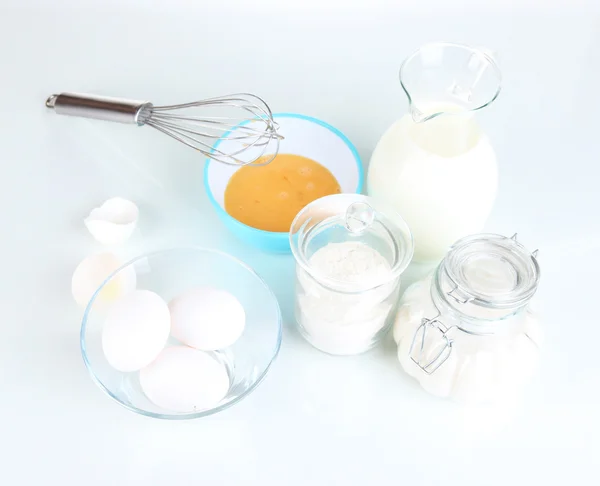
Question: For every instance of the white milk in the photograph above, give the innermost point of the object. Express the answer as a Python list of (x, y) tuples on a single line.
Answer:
[(440, 175)]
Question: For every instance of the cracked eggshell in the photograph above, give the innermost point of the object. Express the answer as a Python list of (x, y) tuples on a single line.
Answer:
[(113, 222), (91, 273)]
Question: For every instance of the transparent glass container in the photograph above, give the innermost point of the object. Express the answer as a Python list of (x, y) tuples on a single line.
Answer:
[(350, 252), (169, 273), (467, 331), (435, 165)]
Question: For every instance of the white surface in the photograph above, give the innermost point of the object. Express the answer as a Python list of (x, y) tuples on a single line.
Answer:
[(316, 420)]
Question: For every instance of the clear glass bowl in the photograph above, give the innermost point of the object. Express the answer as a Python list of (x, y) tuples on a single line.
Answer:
[(169, 273)]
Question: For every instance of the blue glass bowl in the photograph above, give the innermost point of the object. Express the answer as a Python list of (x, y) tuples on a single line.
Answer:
[(304, 136), (169, 273)]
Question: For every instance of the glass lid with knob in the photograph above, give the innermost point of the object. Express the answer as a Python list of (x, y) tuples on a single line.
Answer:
[(354, 218)]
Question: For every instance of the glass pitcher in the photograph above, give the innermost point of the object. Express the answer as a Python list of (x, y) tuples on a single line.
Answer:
[(435, 166)]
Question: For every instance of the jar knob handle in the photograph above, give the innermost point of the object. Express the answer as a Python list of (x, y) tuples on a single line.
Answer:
[(359, 216)]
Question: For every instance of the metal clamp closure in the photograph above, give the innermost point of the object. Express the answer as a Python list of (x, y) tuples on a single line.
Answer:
[(435, 332)]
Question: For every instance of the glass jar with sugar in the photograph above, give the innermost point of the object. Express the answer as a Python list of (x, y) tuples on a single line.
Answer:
[(467, 331)]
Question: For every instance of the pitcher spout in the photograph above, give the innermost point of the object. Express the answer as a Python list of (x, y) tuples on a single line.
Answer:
[(419, 116), (446, 78)]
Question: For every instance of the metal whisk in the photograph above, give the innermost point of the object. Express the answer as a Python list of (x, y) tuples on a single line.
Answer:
[(242, 123)]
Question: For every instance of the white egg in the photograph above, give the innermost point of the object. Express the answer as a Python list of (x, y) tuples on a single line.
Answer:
[(183, 379), (207, 318), (93, 271), (113, 222), (135, 330)]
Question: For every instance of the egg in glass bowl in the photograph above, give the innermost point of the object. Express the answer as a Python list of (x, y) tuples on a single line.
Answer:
[(197, 334)]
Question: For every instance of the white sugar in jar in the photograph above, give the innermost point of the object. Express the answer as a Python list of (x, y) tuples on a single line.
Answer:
[(350, 252), (467, 332)]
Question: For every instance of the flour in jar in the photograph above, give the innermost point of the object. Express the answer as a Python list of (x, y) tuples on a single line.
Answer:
[(339, 319), (351, 262)]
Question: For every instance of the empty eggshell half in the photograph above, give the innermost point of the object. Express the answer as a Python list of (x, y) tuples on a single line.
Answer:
[(113, 222), (207, 318), (184, 379), (91, 273), (135, 330)]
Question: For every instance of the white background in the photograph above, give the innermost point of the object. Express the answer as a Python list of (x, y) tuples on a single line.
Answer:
[(316, 420)]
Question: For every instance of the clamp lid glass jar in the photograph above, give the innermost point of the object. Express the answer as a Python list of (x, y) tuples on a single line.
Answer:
[(467, 331), (350, 251)]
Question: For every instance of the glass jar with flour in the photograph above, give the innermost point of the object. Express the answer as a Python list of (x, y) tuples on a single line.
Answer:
[(467, 331), (350, 252)]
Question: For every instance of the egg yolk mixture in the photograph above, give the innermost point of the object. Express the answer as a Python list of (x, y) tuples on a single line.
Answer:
[(268, 197)]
